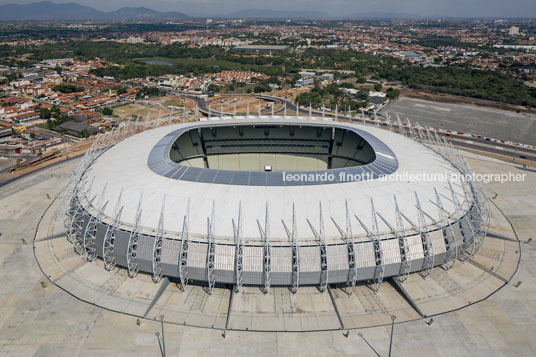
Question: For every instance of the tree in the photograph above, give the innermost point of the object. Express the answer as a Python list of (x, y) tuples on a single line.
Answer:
[(148, 91), (377, 87), (346, 85), (333, 89), (392, 93), (120, 89), (107, 111), (213, 88), (55, 110), (261, 87), (274, 80), (45, 113), (67, 88), (11, 76), (363, 94)]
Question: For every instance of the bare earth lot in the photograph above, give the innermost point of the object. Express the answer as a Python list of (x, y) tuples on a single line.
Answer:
[(135, 109), (241, 104)]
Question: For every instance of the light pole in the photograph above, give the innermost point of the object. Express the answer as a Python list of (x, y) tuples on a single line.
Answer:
[(372, 348), (163, 336), (393, 318), (157, 334)]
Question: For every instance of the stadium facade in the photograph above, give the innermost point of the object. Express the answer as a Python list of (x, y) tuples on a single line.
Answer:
[(274, 201)]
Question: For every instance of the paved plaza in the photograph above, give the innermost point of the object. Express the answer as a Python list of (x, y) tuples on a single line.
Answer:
[(53, 302)]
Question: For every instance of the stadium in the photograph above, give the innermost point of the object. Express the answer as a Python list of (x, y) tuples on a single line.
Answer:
[(274, 201)]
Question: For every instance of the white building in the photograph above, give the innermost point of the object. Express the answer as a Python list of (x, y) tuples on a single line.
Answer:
[(133, 40)]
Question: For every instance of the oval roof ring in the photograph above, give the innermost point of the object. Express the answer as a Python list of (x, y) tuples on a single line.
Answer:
[(159, 161)]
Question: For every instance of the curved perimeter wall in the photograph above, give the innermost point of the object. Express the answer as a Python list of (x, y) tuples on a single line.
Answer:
[(458, 234)]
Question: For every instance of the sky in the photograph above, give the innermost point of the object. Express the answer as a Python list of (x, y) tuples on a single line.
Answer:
[(455, 8)]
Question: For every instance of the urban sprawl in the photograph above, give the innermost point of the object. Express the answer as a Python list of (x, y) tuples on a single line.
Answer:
[(62, 83)]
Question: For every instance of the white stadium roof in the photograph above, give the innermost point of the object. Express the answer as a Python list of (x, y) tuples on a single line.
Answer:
[(124, 167)]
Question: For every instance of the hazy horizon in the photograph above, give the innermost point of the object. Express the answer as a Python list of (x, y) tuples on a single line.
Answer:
[(336, 8)]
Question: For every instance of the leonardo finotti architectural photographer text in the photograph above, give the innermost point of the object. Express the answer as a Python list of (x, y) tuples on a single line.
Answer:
[(326, 176)]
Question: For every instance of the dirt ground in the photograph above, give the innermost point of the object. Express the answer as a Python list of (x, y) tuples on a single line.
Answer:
[(174, 101), (290, 94), (133, 110), (241, 104), (242, 101)]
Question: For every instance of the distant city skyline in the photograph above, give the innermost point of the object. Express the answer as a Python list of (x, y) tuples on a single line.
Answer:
[(338, 8)]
